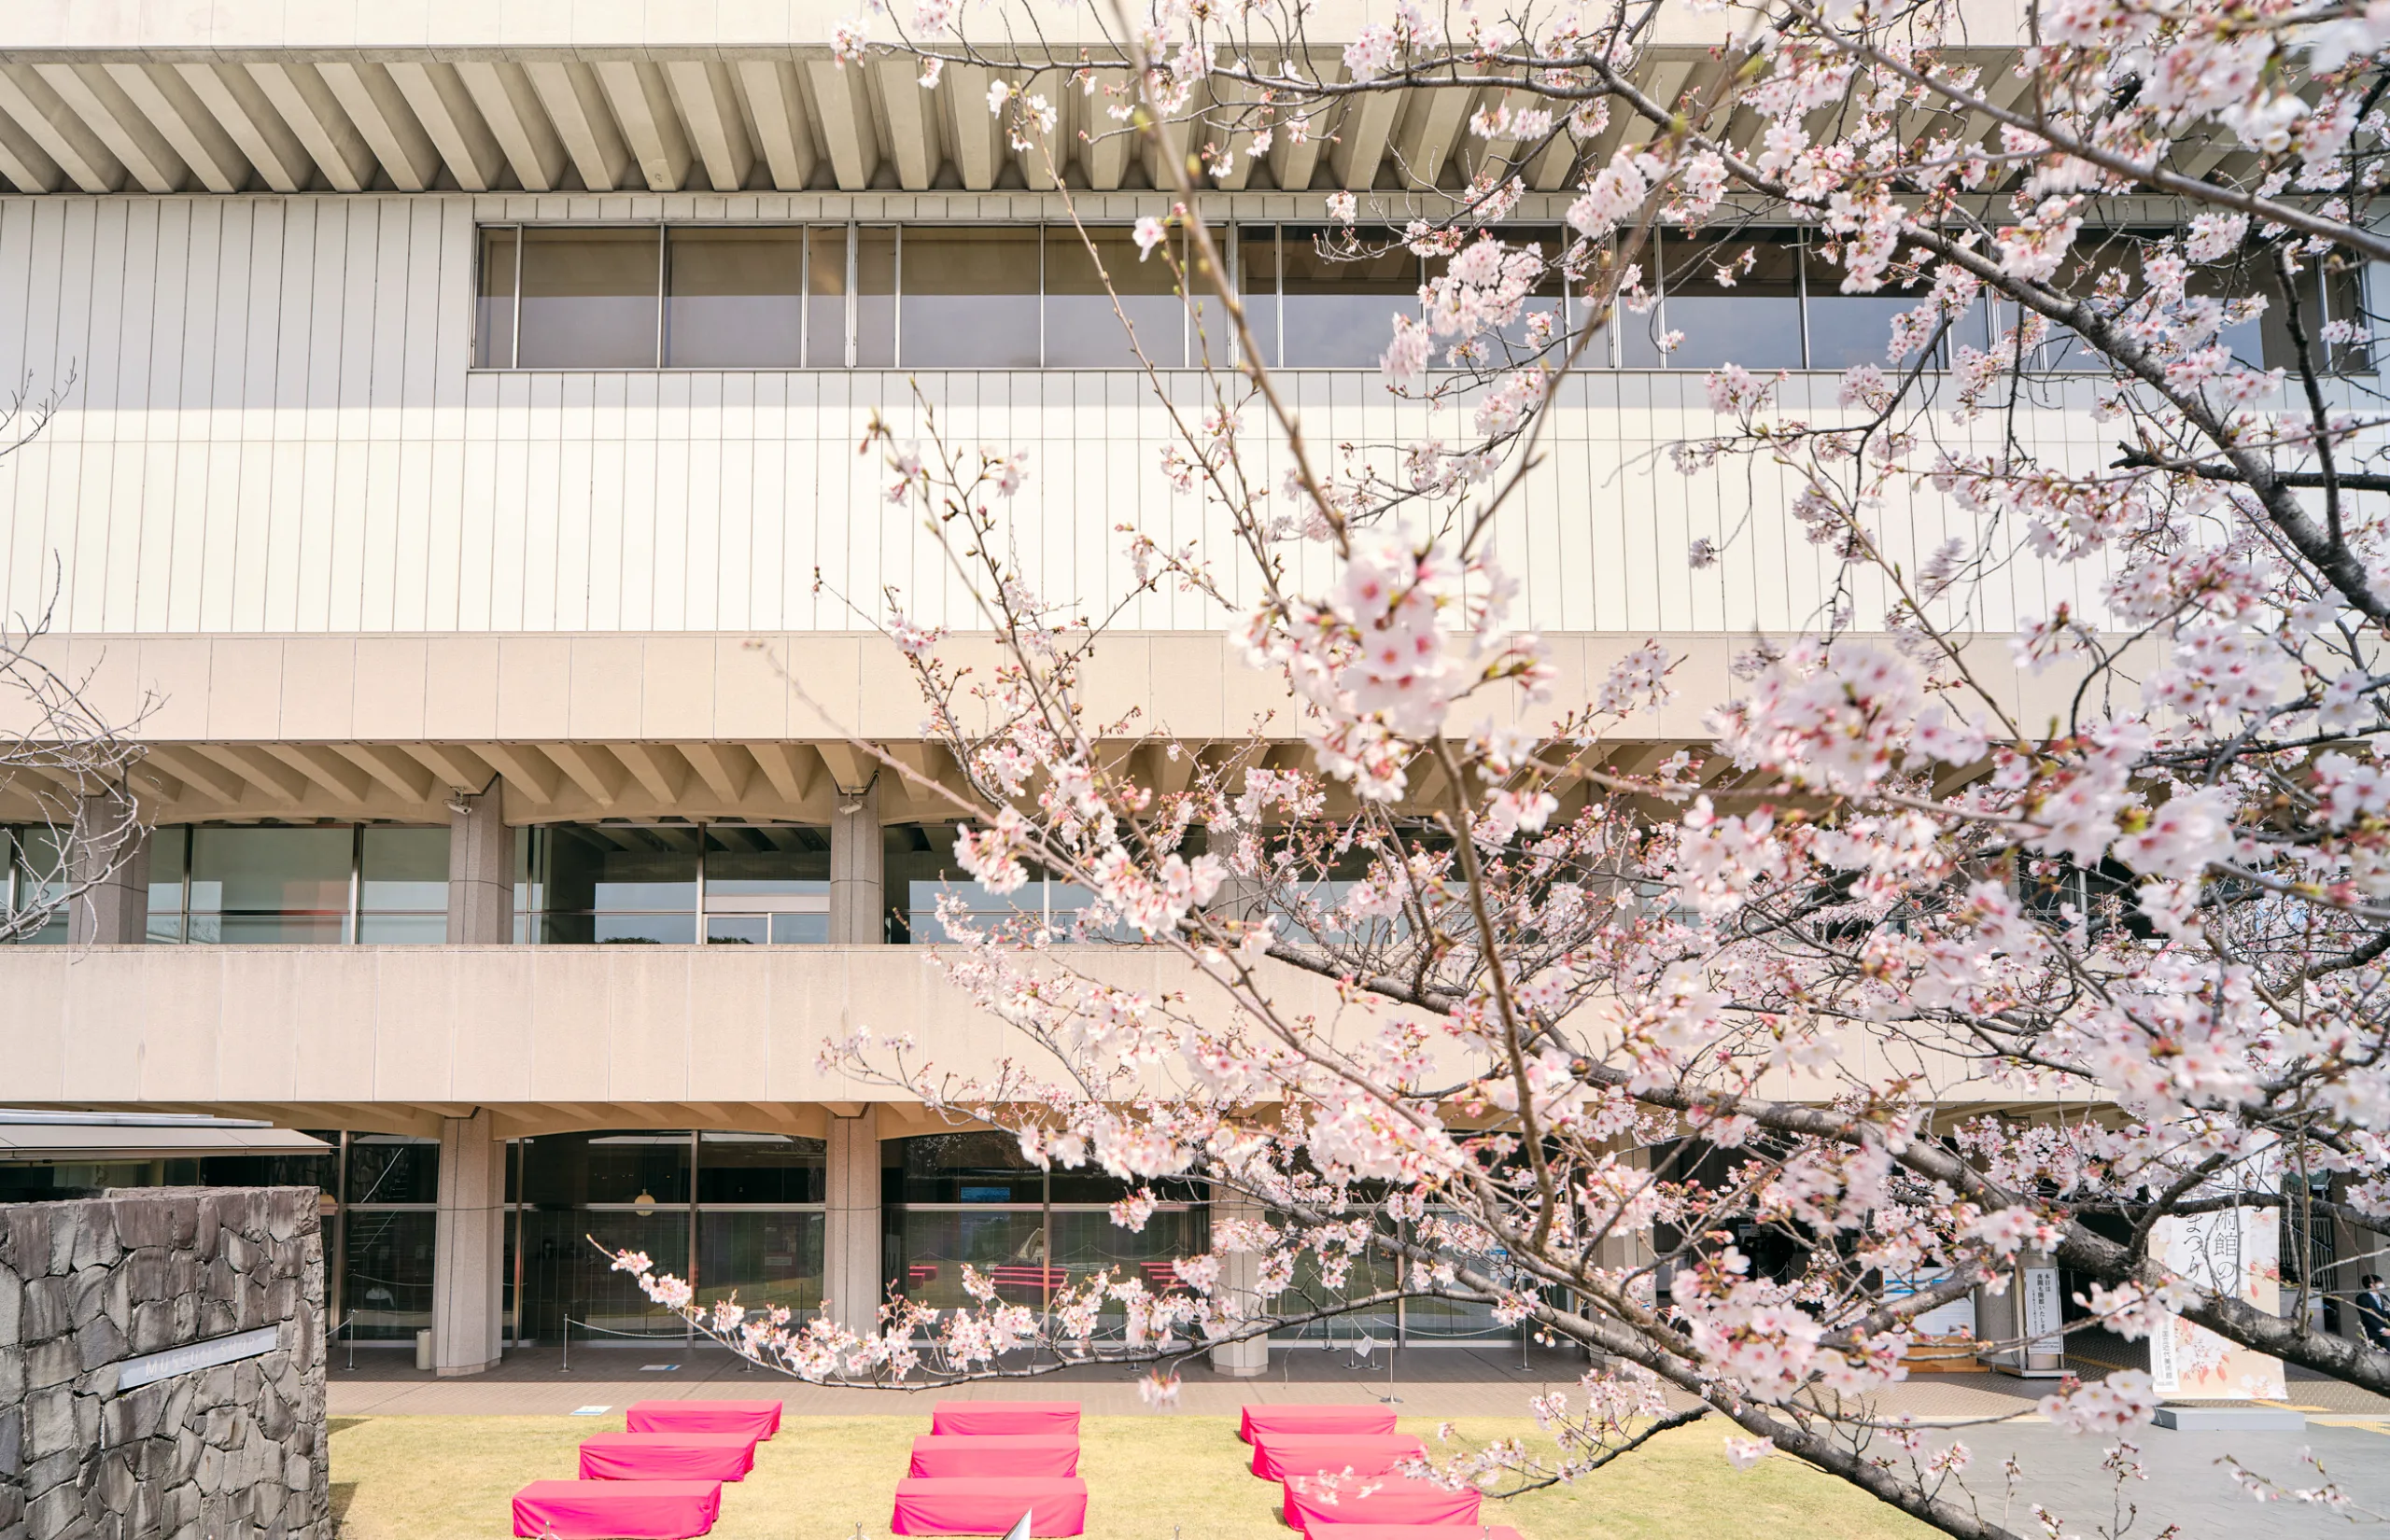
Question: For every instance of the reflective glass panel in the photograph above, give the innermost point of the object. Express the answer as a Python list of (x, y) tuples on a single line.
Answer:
[(1338, 313), (826, 303), (1542, 317), (765, 863), (1735, 301), (970, 298), (1008, 1247), (38, 877), (393, 1169), (875, 275), (1372, 1270), (761, 1258), (740, 1168), (386, 1288), (734, 298), (1256, 256), (577, 1170), (1087, 1241), (1450, 1318), (1849, 329), (267, 886), (920, 868), (589, 298), (169, 860), (979, 1166), (1082, 330), (619, 883), (564, 1275), (493, 300), (402, 870)]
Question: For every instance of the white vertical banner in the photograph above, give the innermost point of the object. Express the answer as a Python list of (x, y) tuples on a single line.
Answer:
[(2044, 1319), (2232, 1251)]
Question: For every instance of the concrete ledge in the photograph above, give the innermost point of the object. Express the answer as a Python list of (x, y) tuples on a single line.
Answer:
[(2229, 1418)]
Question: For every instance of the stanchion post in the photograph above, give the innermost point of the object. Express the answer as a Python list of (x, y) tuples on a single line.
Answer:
[(568, 1344)]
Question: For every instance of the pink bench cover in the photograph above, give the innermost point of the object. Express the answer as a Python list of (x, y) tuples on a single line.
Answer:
[(1279, 1455), (1389, 1500), (989, 1505), (667, 1456), (1309, 1418), (972, 1418), (997, 1454), (1406, 1531), (755, 1419), (617, 1510)]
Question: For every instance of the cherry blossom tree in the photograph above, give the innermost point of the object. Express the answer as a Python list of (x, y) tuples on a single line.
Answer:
[(1881, 897)]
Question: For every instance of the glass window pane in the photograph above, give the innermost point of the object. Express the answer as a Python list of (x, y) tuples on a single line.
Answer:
[(271, 872), (920, 868), (209, 929), (169, 855), (493, 300), (620, 868), (589, 298), (574, 1170), (761, 1259), (734, 298), (1339, 314), (801, 929), (765, 863), (737, 929), (740, 1168), (404, 869), (1541, 316), (970, 298), (875, 298), (1087, 1241), (1257, 258), (826, 306), (1736, 300), (564, 1275), (387, 1286), (1849, 329), (403, 930), (930, 1247), (979, 1167), (393, 1169), (1081, 331)]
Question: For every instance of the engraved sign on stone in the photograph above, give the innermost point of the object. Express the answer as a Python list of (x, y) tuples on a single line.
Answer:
[(193, 1356)]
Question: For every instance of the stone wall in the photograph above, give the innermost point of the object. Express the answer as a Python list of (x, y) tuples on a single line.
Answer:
[(233, 1452)]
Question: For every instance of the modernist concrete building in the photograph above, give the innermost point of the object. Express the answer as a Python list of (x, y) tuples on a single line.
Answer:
[(455, 471)]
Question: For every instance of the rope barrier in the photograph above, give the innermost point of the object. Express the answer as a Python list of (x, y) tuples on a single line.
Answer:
[(589, 1326)]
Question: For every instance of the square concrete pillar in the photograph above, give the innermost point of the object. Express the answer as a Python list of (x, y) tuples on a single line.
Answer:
[(858, 873), (1240, 1273), (468, 1255), (481, 871), (110, 861), (850, 1280)]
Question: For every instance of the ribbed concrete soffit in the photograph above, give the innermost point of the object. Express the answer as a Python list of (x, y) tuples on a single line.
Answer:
[(661, 98)]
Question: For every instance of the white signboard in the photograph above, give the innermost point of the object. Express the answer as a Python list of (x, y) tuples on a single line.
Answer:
[(193, 1356), (2232, 1250), (2044, 1319), (1951, 1318)]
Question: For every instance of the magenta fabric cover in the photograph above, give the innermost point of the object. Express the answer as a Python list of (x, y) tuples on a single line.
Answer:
[(1376, 1500), (989, 1505), (667, 1456), (997, 1454), (755, 1419), (969, 1418), (1279, 1455), (1405, 1531), (617, 1510), (1304, 1419)]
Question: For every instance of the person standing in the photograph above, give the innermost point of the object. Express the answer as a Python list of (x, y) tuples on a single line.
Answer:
[(2373, 1311)]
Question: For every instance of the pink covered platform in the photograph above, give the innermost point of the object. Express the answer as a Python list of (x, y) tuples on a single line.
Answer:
[(1309, 1418), (989, 1505), (617, 1510), (1406, 1531), (755, 1419), (969, 1418), (997, 1454), (1376, 1500), (667, 1456), (1279, 1455)]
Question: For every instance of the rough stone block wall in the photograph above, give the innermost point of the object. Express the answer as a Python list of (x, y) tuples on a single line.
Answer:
[(233, 1452)]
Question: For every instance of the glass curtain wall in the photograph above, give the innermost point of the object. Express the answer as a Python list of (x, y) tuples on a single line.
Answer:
[(952, 1200), (33, 872), (387, 1222), (748, 1207), (673, 884), (299, 883), (920, 868)]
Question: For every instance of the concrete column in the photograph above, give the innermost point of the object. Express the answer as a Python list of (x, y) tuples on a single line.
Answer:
[(112, 909), (481, 871), (858, 875), (469, 1258), (1240, 1273), (851, 1280)]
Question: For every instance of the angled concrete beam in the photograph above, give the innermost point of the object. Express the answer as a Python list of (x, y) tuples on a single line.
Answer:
[(1430, 128), (516, 119), (790, 769), (724, 767), (369, 94), (343, 781), (26, 165), (708, 105), (261, 771), (1104, 142), (847, 133), (911, 135), (782, 135), (117, 122), (656, 767), (584, 124), (193, 769), (1361, 138), (979, 135), (299, 93), (166, 99), (458, 769), (63, 135), (598, 773), (447, 111), (1292, 165), (526, 770), (234, 99), (392, 767), (642, 105)]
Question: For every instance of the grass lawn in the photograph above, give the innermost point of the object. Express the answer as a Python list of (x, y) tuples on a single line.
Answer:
[(1160, 1477)]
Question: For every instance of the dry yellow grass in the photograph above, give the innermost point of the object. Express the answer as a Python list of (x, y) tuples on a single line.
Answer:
[(1159, 1478)]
